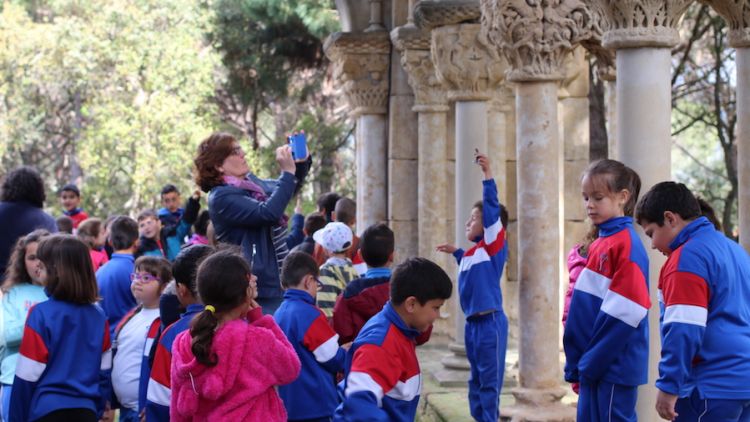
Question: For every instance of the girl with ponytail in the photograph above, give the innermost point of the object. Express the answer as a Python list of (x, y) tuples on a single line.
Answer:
[(227, 365)]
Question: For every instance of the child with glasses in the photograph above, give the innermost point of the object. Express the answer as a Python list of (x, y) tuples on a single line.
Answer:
[(131, 347)]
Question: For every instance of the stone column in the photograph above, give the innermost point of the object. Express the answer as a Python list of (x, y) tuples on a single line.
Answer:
[(643, 33), (361, 63), (470, 71), (737, 15), (536, 38)]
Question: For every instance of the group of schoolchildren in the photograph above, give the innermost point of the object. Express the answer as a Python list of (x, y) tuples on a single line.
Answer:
[(186, 340)]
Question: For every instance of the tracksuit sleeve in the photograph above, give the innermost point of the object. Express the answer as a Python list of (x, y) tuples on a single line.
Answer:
[(288, 362), (494, 232), (366, 384), (323, 342), (686, 298), (624, 307), (244, 210), (151, 336), (159, 393), (296, 235), (458, 254), (343, 321), (105, 371), (32, 362)]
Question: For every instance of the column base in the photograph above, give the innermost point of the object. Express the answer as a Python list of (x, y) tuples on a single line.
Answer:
[(456, 367), (538, 405)]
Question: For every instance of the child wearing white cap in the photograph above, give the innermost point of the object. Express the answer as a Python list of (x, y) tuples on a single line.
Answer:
[(337, 271)]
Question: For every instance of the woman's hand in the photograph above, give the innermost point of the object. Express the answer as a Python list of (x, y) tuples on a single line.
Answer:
[(446, 247), (285, 160)]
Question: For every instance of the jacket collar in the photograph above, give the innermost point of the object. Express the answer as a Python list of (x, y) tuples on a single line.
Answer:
[(378, 272), (396, 320), (615, 225), (696, 226), (296, 294), (193, 308)]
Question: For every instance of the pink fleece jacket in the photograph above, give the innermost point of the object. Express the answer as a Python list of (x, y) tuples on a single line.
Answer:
[(576, 264), (252, 359)]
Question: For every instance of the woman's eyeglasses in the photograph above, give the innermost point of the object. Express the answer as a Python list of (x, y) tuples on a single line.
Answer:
[(143, 278)]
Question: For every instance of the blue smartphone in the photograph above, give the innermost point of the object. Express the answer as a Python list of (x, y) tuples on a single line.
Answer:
[(298, 142)]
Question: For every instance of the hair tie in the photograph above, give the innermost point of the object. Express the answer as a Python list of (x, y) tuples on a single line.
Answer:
[(210, 308)]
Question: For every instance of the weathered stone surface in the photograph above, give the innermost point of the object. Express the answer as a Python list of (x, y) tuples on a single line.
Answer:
[(512, 187), (429, 14), (575, 128), (405, 234), (402, 178), (414, 46), (402, 137), (639, 23), (573, 204), (737, 15)]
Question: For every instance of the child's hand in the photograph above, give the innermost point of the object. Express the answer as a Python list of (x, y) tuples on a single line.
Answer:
[(665, 404), (298, 205), (446, 247), (484, 163), (197, 195)]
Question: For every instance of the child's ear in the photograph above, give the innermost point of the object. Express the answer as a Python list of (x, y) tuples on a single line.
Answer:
[(410, 304)]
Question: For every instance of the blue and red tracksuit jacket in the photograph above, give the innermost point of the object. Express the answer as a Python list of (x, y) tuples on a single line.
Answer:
[(480, 268), (705, 291), (606, 335), (159, 392), (383, 379), (64, 362), (313, 394)]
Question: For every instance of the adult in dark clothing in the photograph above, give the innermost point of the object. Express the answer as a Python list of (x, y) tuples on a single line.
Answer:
[(21, 213), (248, 211)]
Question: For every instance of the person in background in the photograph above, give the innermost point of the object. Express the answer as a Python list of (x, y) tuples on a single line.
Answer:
[(313, 222), (64, 224), (327, 203), (176, 222), (337, 271), (200, 236), (113, 277), (70, 199), (91, 231)]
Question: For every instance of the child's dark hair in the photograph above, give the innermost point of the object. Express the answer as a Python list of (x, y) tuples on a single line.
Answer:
[(70, 273), (156, 266), (186, 263), (617, 176), (70, 187), (149, 213), (222, 281), (667, 196), (64, 224), (296, 266), (708, 211), (89, 230), (201, 223), (123, 232), (169, 188), (503, 212), (421, 278), (346, 211), (23, 184), (328, 201), (314, 222), (15, 272), (377, 245)]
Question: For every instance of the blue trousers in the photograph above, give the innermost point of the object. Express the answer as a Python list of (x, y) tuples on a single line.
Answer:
[(129, 415), (604, 402), (694, 408), (486, 339), (5, 394)]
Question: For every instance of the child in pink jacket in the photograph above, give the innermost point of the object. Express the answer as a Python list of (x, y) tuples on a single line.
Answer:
[(227, 365)]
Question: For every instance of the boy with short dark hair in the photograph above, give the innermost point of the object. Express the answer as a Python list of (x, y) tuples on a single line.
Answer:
[(383, 379), (705, 301), (176, 221), (337, 271), (70, 199), (313, 222), (149, 229), (312, 396)]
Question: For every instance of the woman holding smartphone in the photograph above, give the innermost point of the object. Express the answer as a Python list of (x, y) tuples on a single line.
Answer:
[(249, 211)]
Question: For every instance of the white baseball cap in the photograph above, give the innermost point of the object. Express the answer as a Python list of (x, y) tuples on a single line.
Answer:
[(335, 237)]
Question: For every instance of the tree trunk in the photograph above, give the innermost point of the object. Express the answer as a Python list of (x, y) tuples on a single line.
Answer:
[(597, 117)]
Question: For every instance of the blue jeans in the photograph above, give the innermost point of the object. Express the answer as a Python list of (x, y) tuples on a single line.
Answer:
[(5, 409), (694, 408)]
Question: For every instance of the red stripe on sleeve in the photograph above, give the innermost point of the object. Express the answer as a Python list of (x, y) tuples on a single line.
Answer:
[(628, 281), (33, 347), (684, 288), (374, 361), (318, 333), (162, 362), (107, 343)]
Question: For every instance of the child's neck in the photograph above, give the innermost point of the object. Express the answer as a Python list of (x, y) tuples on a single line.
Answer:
[(341, 255), (151, 305), (129, 251)]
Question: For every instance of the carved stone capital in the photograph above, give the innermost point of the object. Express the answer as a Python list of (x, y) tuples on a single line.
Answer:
[(639, 23), (430, 14), (361, 64), (466, 63), (737, 15), (414, 46), (536, 36)]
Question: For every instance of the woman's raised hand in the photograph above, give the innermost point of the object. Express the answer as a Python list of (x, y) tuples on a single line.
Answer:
[(285, 160)]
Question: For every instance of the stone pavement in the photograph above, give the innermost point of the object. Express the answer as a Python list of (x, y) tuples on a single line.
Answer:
[(450, 404)]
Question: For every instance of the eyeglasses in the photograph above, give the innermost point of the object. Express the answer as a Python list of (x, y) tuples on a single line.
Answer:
[(143, 278)]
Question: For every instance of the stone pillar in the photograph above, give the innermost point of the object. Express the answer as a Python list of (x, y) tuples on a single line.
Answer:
[(643, 33), (737, 15), (361, 63), (536, 68)]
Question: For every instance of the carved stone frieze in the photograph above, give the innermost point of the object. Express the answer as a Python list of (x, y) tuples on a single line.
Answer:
[(535, 36), (361, 63), (414, 46), (429, 14), (466, 63), (639, 23), (737, 15)]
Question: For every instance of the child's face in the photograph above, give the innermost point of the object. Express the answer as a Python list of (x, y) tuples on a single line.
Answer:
[(69, 200), (600, 203), (171, 201), (149, 227), (422, 316), (41, 271), (146, 288), (32, 262), (474, 226), (662, 236), (101, 239)]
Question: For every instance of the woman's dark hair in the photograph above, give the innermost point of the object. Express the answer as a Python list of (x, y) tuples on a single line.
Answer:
[(327, 202), (123, 232), (222, 281), (89, 230), (667, 196), (421, 278), (185, 265), (23, 184), (157, 266), (70, 273), (617, 177), (708, 211), (15, 272), (201, 224), (211, 153)]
